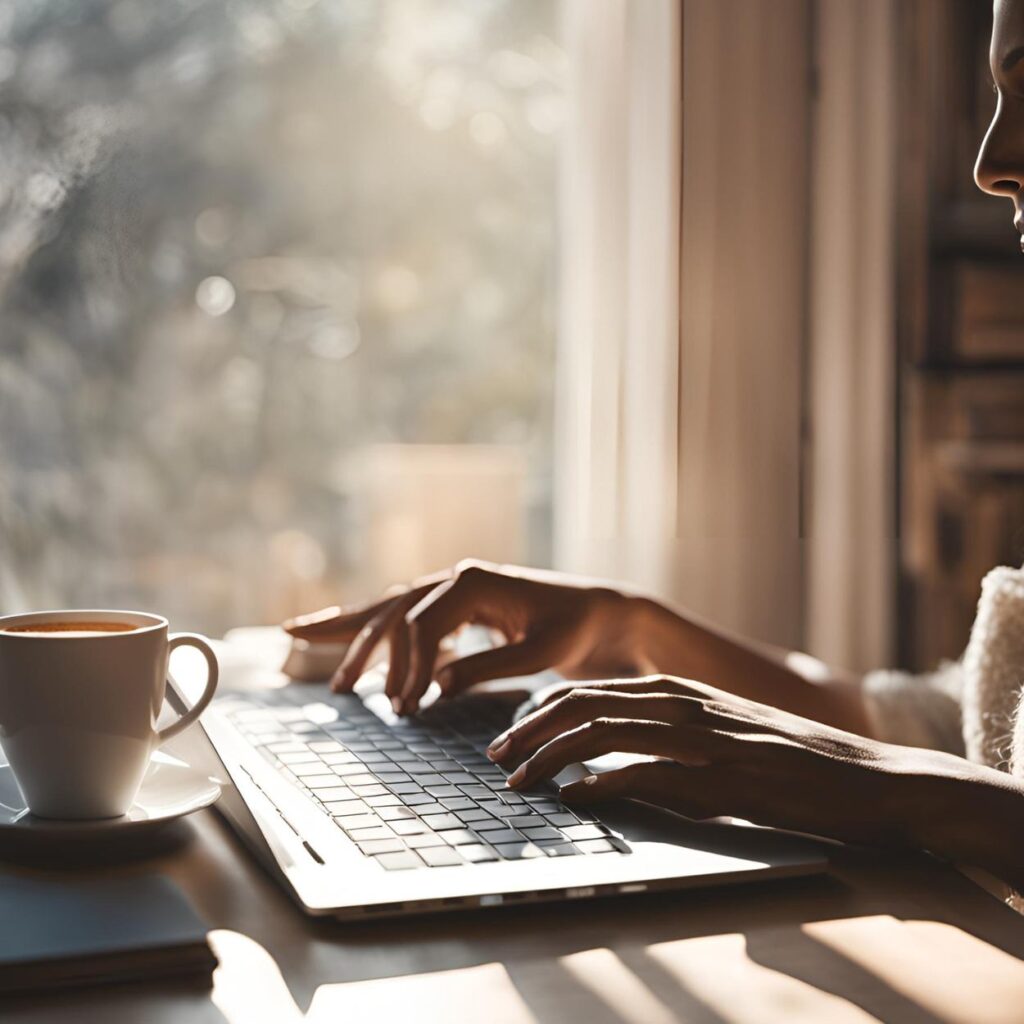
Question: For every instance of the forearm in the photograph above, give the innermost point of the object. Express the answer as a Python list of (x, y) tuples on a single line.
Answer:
[(681, 645), (973, 815)]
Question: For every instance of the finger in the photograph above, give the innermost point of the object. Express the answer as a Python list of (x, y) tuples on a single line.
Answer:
[(398, 666), (533, 654), (645, 684), (334, 624), (367, 641), (602, 736), (584, 705), (449, 605), (697, 793)]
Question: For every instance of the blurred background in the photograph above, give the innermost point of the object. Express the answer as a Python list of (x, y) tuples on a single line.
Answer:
[(255, 257), (299, 298)]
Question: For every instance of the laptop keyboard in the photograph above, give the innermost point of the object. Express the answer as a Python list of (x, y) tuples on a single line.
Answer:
[(414, 792)]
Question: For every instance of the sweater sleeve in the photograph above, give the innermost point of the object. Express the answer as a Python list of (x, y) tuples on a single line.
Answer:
[(917, 710), (993, 667)]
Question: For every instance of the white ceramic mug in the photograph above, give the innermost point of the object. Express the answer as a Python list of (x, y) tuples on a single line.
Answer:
[(78, 708)]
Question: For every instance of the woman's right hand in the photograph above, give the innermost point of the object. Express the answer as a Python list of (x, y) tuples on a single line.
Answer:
[(549, 620)]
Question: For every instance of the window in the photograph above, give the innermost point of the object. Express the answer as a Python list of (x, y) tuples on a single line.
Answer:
[(277, 296)]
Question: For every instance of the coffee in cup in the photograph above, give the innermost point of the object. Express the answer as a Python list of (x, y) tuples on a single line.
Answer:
[(80, 694)]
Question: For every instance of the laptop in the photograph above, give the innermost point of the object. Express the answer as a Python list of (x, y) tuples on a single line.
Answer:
[(359, 813)]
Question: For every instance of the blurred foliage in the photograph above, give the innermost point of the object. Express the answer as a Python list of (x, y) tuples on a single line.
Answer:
[(240, 240)]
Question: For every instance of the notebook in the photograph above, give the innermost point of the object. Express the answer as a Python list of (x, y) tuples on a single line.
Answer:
[(58, 934)]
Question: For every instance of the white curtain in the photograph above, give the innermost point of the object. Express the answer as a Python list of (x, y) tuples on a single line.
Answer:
[(713, 269), (617, 395), (851, 557)]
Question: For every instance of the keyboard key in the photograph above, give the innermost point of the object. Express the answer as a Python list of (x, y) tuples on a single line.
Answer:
[(440, 822), (362, 834), (597, 846), (578, 832), (357, 821), (398, 861), (424, 840), (561, 820), (403, 788), (298, 759), (459, 837), (472, 813), (476, 792), (505, 835), (392, 778), (334, 793), (542, 832), (347, 770), (559, 850), (417, 799), (395, 814), (440, 791), (407, 757), (446, 765), (326, 747), (543, 804), (384, 801), (346, 808), (406, 827), (373, 757), (430, 778), (528, 821), (477, 853), (440, 856), (377, 846), (459, 778), (504, 811), (374, 790), (432, 808), (495, 784), (458, 803), (360, 780), (288, 747), (320, 782), (519, 851), (488, 824), (342, 758), (491, 806)]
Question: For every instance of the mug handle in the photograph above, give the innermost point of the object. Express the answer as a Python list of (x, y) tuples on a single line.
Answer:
[(212, 672)]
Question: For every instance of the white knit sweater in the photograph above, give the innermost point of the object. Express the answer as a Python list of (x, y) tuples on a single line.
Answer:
[(971, 707)]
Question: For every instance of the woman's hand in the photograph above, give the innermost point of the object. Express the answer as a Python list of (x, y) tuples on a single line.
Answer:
[(717, 754), (549, 620)]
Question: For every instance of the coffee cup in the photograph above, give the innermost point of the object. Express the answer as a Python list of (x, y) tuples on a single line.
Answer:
[(80, 695)]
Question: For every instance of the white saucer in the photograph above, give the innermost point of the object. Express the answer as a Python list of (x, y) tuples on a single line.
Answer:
[(170, 789)]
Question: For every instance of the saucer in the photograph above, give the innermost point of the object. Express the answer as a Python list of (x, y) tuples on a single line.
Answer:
[(170, 789)]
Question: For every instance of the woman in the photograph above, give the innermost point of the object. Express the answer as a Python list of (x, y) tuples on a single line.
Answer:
[(772, 737)]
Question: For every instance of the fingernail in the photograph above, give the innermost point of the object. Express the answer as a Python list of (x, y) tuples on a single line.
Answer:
[(496, 753), (396, 705), (516, 777)]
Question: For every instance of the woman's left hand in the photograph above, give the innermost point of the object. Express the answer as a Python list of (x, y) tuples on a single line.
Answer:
[(718, 754)]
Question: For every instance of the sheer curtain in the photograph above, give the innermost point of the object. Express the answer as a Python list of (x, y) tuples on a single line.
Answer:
[(705, 365), (679, 405), (617, 396)]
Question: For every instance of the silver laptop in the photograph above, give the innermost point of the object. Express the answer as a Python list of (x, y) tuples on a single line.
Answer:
[(358, 812)]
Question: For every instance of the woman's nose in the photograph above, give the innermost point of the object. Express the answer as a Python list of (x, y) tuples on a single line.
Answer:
[(1000, 166)]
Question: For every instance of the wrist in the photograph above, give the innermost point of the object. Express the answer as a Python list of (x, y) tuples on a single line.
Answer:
[(969, 814)]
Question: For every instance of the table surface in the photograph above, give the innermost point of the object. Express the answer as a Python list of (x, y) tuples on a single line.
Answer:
[(889, 938)]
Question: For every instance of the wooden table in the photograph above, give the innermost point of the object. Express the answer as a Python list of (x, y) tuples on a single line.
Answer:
[(881, 938)]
